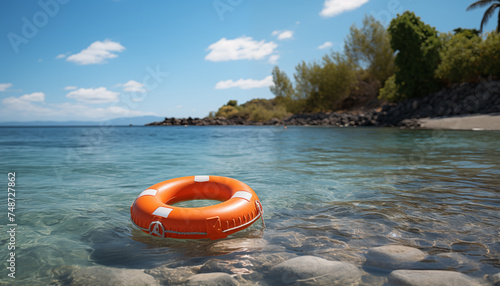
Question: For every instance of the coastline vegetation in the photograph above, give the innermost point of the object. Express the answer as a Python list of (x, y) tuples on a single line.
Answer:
[(409, 59)]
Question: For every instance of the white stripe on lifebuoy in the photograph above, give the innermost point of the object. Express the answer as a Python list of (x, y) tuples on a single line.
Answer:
[(200, 179), (161, 211), (148, 192), (242, 194)]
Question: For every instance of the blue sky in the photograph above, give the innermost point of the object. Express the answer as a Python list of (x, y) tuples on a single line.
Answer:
[(96, 60)]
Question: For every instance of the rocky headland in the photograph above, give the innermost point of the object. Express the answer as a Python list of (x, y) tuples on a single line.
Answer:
[(464, 99)]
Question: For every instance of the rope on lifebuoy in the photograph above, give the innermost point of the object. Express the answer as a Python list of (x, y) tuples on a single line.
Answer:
[(261, 212)]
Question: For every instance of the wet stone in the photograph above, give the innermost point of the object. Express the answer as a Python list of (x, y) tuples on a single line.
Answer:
[(430, 277), (248, 266), (394, 256), (494, 279), (168, 276), (311, 270), (99, 275), (238, 244), (243, 266), (212, 279), (454, 260)]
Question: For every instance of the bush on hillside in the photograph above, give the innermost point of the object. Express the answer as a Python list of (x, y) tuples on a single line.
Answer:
[(389, 92), (227, 111), (254, 110), (466, 58)]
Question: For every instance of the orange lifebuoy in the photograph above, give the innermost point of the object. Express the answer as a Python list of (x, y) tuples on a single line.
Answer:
[(153, 212)]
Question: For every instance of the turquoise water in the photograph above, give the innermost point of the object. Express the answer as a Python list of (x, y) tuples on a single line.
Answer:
[(329, 192)]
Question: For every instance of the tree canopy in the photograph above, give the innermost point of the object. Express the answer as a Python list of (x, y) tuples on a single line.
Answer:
[(370, 47)]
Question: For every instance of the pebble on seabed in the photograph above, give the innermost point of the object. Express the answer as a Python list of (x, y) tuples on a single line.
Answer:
[(430, 277)]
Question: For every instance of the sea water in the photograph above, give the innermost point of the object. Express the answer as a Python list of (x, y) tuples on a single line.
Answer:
[(327, 192)]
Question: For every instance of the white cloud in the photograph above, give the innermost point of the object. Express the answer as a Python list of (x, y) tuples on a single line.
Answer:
[(273, 59), (325, 45), (64, 111), (133, 86), (283, 35), (94, 95), (33, 107), (70, 87), (335, 7), (120, 111), (60, 56), (26, 103), (245, 83), (25, 99), (243, 48), (5, 86), (97, 53), (35, 96)]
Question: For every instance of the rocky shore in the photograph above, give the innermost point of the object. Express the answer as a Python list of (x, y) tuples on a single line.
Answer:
[(400, 265), (464, 99)]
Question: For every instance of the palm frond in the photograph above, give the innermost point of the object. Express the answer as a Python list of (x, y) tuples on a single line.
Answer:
[(498, 25), (487, 15), (480, 4)]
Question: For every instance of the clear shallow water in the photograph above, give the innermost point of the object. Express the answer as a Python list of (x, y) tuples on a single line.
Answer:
[(327, 192)]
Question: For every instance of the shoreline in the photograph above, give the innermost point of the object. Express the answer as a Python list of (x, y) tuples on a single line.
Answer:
[(468, 106), (476, 122)]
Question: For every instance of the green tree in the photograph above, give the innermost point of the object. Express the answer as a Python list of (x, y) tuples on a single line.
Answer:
[(322, 87), (490, 55), (283, 90), (494, 4), (417, 46), (233, 103), (283, 87), (466, 58), (370, 47), (460, 59), (469, 33)]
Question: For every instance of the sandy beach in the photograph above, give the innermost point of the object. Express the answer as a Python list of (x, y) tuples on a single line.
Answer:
[(465, 122)]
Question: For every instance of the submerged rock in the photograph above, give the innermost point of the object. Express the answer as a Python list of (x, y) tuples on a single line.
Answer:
[(430, 277), (246, 266), (238, 244), (212, 279), (305, 270), (453, 260), (234, 266), (495, 279), (169, 276), (394, 256), (99, 275)]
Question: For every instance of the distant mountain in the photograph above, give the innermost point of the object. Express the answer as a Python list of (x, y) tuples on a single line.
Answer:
[(122, 121)]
